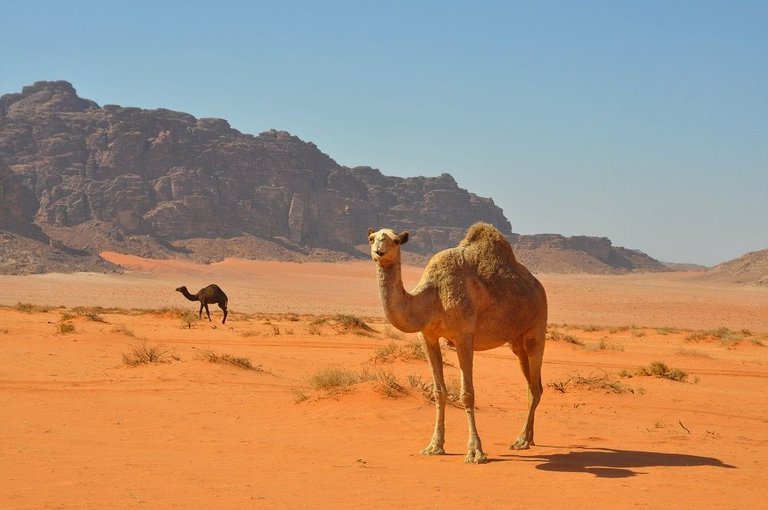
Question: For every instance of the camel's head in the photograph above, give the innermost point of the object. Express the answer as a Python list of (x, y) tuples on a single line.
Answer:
[(181, 289), (385, 246)]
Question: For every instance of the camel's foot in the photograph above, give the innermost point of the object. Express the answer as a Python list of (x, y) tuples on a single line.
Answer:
[(433, 449), (522, 443), (475, 456)]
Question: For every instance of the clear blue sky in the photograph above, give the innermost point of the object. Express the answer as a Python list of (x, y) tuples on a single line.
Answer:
[(642, 121)]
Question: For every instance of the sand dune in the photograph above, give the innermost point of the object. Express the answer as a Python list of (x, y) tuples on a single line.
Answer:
[(81, 429)]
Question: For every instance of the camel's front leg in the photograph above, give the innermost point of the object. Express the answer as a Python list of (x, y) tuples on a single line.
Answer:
[(435, 358), (207, 312), (465, 352)]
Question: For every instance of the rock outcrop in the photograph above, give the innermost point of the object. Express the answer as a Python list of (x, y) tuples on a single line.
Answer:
[(749, 269)]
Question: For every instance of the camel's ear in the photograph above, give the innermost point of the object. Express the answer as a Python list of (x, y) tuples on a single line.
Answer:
[(370, 231), (403, 238)]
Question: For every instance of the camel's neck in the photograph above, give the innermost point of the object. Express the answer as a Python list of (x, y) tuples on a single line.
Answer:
[(189, 296), (406, 312)]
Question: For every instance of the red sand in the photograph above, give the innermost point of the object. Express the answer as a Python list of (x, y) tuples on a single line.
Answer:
[(80, 429)]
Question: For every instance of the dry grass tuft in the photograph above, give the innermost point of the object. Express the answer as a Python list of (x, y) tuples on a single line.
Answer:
[(353, 324), (724, 337), (392, 352), (660, 369), (393, 333), (63, 328), (122, 328), (336, 380), (603, 345), (30, 308), (333, 380), (92, 313), (602, 381), (556, 335), (427, 389), (228, 359), (188, 318), (143, 354), (388, 385)]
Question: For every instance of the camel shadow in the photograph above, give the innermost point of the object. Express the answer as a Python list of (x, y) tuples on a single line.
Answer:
[(610, 463)]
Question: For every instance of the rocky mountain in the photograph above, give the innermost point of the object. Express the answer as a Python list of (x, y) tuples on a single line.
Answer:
[(77, 178), (751, 269), (554, 253)]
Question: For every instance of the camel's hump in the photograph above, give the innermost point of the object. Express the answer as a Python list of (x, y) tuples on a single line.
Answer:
[(488, 249), (483, 233)]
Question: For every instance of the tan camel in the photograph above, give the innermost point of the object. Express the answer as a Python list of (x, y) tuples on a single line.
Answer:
[(477, 296)]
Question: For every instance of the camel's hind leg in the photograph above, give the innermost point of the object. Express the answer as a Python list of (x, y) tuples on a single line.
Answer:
[(223, 306), (530, 355), (435, 358)]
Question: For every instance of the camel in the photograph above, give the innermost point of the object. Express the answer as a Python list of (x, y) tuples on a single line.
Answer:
[(208, 295), (477, 297)]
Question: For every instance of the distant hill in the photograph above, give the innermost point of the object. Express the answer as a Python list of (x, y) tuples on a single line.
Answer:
[(77, 179), (751, 269)]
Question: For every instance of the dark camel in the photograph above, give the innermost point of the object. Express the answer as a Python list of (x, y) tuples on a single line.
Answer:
[(208, 295)]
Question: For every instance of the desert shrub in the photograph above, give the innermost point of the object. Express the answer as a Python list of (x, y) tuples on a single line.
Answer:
[(393, 333), (591, 382), (603, 345), (122, 328), (693, 353), (91, 313), (413, 349), (169, 311), (452, 384), (392, 351), (63, 328), (188, 318), (557, 336), (660, 369), (385, 353), (299, 395), (723, 336), (143, 354), (30, 308), (228, 359), (353, 324), (388, 385), (333, 380)]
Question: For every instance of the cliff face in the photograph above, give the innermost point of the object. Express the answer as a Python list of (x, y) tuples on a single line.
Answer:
[(77, 178), (90, 177)]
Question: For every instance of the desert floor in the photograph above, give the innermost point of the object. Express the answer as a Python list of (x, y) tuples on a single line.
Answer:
[(81, 428)]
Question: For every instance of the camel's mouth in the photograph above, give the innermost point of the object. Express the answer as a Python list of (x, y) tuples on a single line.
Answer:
[(378, 253)]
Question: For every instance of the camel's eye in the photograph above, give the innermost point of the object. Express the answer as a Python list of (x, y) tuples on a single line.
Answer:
[(370, 239), (396, 240)]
